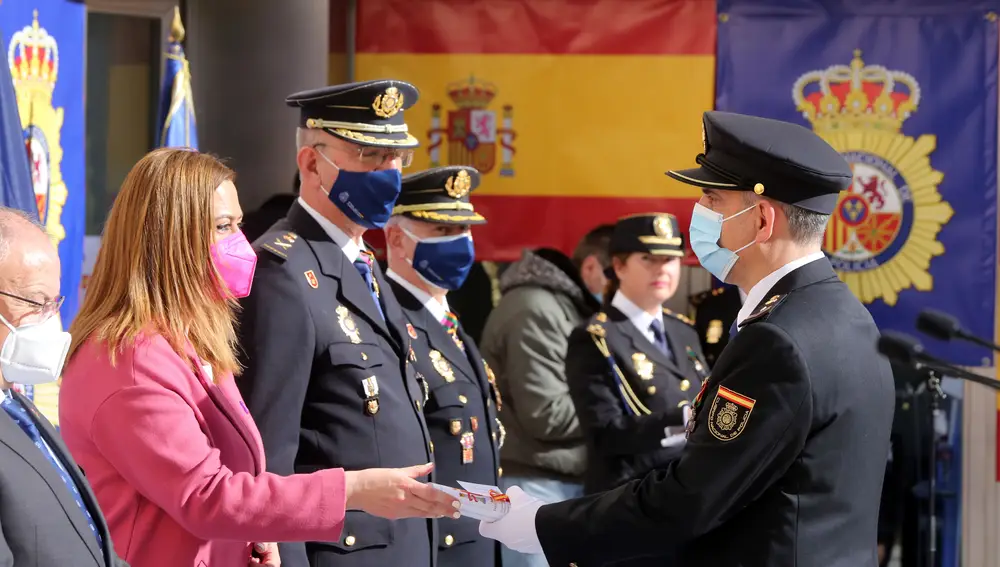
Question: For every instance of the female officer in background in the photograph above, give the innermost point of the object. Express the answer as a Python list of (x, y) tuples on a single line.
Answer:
[(635, 366)]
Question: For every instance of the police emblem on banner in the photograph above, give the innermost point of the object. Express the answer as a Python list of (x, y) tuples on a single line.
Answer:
[(883, 233), (472, 132), (33, 57)]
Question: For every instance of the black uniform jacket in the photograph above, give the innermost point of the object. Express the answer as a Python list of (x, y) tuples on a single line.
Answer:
[(715, 311), (40, 522), (329, 384), (460, 413), (625, 401), (785, 463)]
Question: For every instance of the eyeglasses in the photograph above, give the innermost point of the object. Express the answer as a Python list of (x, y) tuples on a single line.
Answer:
[(372, 157), (45, 310)]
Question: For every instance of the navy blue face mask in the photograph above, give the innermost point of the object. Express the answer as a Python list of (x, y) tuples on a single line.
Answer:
[(365, 197), (443, 261)]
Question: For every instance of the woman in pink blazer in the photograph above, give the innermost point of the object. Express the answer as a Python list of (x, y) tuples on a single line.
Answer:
[(148, 404)]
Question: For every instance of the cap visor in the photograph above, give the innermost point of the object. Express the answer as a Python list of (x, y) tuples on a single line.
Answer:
[(701, 177), (400, 140)]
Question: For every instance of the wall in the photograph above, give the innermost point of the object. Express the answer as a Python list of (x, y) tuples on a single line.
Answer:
[(245, 58)]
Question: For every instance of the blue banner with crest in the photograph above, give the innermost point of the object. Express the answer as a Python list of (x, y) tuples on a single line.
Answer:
[(45, 44), (907, 92)]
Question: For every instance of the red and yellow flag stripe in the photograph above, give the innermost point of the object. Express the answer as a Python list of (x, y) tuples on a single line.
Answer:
[(572, 109), (738, 399)]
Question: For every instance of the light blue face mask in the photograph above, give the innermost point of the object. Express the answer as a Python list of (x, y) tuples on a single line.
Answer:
[(705, 232)]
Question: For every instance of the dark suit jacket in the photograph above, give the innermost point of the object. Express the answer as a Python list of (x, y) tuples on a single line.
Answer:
[(313, 340), (460, 403), (787, 457), (623, 441), (40, 523)]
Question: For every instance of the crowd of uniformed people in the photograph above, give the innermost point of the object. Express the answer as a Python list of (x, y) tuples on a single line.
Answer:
[(286, 402)]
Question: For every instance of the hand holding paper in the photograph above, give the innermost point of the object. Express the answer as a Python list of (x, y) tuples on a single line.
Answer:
[(516, 529)]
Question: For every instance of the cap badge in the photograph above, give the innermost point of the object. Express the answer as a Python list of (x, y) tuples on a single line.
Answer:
[(704, 140), (458, 185), (662, 227), (387, 104)]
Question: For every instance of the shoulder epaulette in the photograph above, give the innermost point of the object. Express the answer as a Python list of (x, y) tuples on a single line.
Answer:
[(764, 309), (682, 318), (279, 243), (596, 325)]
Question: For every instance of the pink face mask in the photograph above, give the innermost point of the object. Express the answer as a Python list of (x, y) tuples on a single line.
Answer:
[(236, 261)]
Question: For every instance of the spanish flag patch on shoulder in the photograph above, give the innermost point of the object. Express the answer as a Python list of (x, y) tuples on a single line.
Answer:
[(729, 414)]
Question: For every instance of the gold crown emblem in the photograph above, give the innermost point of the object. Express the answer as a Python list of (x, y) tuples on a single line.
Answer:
[(472, 93), (856, 97), (33, 57), (458, 185)]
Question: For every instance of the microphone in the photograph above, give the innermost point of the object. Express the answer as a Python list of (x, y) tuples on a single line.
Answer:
[(905, 349), (943, 326), (899, 347)]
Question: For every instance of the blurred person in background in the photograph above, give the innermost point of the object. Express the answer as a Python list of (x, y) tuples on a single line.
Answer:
[(257, 222), (430, 251), (545, 295), (149, 404), (49, 516), (634, 367)]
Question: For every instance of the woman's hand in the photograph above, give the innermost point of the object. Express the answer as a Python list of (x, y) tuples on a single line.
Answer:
[(267, 554), (395, 493)]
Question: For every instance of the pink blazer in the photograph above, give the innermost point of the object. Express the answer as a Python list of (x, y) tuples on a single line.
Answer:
[(177, 463)]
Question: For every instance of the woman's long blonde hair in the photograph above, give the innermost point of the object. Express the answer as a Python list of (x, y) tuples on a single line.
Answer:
[(154, 272)]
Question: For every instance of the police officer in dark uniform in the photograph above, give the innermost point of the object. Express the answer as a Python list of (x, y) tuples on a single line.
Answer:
[(634, 367), (430, 252), (715, 311), (787, 450), (328, 377)]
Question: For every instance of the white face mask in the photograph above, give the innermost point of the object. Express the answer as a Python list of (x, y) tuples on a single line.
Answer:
[(34, 354)]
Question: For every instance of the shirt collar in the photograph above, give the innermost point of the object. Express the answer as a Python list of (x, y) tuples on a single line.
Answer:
[(757, 292), (640, 318), (437, 309), (339, 237)]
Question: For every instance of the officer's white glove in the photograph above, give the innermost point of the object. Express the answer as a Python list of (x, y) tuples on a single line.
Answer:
[(516, 530), (673, 436)]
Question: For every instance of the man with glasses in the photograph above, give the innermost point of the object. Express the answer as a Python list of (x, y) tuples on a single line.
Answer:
[(48, 515), (328, 377)]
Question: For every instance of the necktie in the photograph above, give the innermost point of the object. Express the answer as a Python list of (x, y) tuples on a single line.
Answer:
[(364, 267), (23, 420), (733, 330), (450, 322), (659, 337)]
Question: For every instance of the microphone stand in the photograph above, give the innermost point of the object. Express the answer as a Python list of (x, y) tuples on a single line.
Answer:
[(933, 386), (933, 372)]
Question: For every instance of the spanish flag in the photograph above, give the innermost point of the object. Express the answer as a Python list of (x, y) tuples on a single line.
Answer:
[(571, 109)]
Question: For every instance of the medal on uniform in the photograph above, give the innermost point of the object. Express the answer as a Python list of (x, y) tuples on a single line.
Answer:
[(311, 278), (442, 366), (423, 384), (347, 324), (475, 423), (370, 385), (455, 426), (643, 366), (492, 379), (413, 355), (468, 443), (503, 433), (685, 385), (412, 332)]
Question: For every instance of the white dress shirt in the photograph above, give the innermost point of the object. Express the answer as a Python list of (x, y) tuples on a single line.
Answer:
[(437, 308), (641, 319), (339, 237), (756, 293)]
